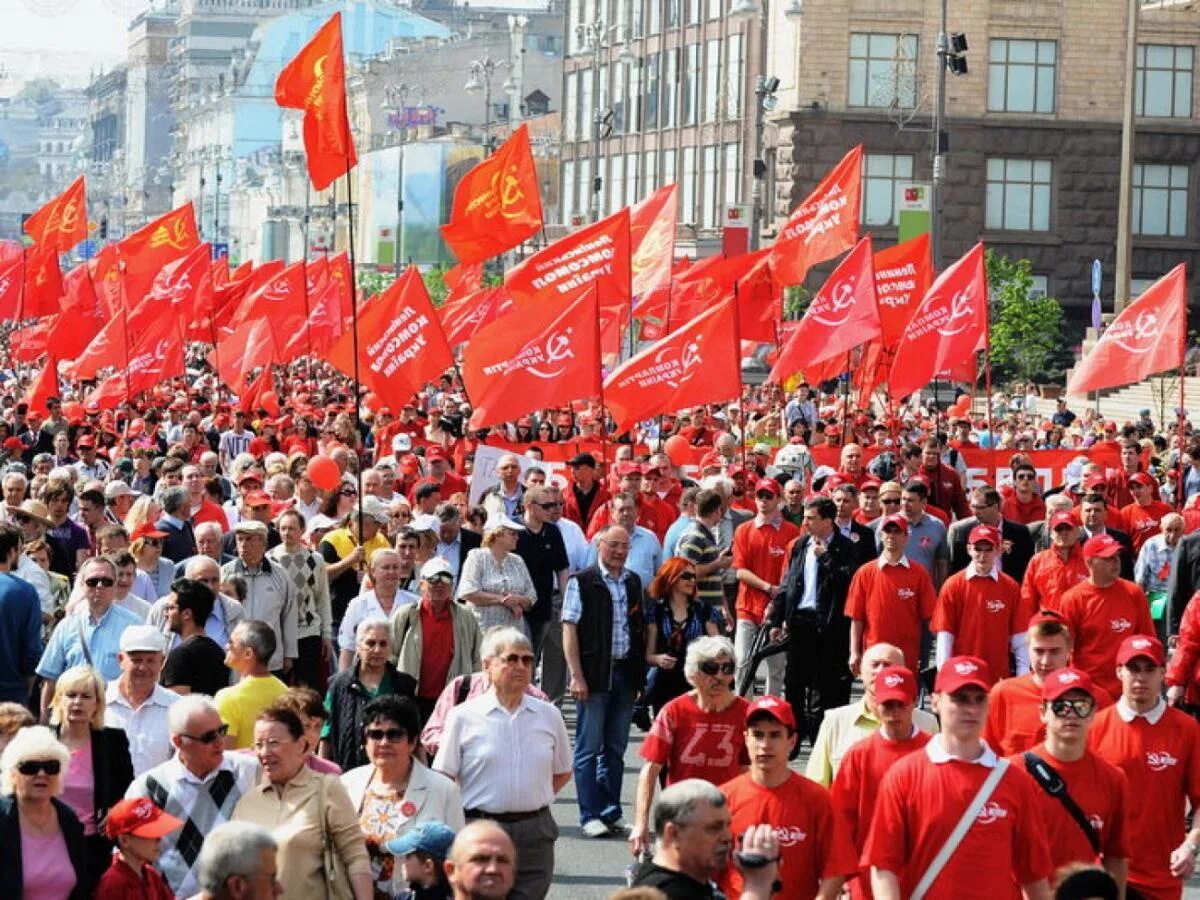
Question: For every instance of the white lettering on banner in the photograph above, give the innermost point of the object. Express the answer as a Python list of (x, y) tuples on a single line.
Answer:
[(388, 352), (1138, 336), (814, 219), (667, 368), (150, 363), (576, 266), (535, 358)]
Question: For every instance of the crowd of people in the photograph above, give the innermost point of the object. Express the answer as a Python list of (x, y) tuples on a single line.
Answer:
[(326, 655)]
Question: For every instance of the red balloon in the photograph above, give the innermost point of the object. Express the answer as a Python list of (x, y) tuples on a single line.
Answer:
[(676, 448), (323, 472)]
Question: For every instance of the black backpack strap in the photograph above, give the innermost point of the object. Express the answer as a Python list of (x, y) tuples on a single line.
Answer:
[(463, 691), (1053, 784)]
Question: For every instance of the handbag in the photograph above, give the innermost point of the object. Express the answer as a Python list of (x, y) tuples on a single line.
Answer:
[(337, 879)]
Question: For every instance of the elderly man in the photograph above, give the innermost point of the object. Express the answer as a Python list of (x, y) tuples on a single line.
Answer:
[(482, 863), (510, 755), (1040, 530), (209, 539), (1016, 549), (180, 542), (15, 486), (226, 612), (251, 646), (270, 596), (506, 497), (118, 499), (238, 862), (200, 785), (454, 543), (136, 702), (306, 570), (256, 507), (645, 551)]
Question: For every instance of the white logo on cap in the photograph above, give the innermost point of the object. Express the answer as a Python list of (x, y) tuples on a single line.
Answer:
[(1140, 644), (1068, 677), (966, 667), (893, 680)]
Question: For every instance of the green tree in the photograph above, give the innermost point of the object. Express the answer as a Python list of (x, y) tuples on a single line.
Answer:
[(1027, 331)]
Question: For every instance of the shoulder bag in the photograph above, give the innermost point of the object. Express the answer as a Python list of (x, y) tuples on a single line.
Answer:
[(337, 879)]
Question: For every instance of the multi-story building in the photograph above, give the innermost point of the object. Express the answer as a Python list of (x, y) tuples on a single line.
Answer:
[(149, 117)]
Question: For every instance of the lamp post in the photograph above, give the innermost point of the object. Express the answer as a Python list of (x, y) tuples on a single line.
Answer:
[(765, 101), (394, 104), (597, 36), (480, 79)]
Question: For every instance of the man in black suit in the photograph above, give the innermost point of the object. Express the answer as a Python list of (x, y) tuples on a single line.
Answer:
[(810, 606), (454, 542), (1184, 580), (1093, 513), (1018, 543), (180, 542), (845, 498)]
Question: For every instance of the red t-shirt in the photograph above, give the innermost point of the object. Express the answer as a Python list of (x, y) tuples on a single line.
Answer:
[(692, 743), (1048, 577), (437, 651), (1102, 791), (1015, 509), (1162, 763), (813, 844), (763, 550), (119, 882), (1013, 722), (1143, 521), (983, 614), (1100, 619), (893, 600), (921, 801), (210, 512), (856, 786)]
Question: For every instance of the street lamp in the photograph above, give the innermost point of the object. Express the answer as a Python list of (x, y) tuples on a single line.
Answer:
[(765, 101), (597, 37), (394, 103), (480, 79)]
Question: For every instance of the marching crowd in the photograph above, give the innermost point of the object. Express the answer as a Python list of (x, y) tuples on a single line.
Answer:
[(319, 655)]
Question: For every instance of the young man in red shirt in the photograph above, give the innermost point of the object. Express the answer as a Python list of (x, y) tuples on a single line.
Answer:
[(1103, 611), (856, 785), (979, 609), (1024, 504), (1145, 513), (1158, 749), (889, 599), (925, 794), (816, 856), (1056, 569), (1098, 788)]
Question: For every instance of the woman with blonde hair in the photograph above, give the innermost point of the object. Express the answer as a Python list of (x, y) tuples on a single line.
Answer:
[(495, 581), (145, 509)]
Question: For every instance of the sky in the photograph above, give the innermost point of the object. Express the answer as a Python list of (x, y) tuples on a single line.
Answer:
[(67, 39)]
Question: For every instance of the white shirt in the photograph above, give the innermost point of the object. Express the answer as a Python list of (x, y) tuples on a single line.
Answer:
[(367, 606), (146, 726), (809, 599), (135, 605), (1128, 713), (576, 543), (504, 762), (937, 754)]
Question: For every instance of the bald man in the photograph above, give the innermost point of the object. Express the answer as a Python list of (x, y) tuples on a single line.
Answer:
[(482, 863)]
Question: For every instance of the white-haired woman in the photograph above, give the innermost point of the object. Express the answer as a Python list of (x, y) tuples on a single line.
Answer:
[(495, 581), (700, 734), (42, 852)]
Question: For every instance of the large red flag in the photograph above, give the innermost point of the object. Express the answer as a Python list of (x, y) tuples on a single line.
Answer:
[(61, 223), (43, 387), (315, 81), (461, 280), (654, 308), (147, 250), (823, 226), (652, 239), (711, 280), (496, 204), (401, 347), (261, 394), (842, 316), (902, 276), (43, 290), (157, 356), (462, 318), (545, 356), (1149, 336), (181, 287), (73, 329), (697, 363), (281, 300), (597, 254), (946, 328), (12, 280), (243, 350), (108, 347), (31, 343)]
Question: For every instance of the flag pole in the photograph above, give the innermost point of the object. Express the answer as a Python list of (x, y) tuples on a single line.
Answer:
[(354, 327), (125, 331), (603, 408), (737, 343), (846, 398)]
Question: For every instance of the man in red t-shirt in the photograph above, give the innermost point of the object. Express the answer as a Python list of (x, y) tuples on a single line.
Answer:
[(856, 785), (816, 856), (1023, 504), (925, 794), (1098, 788), (1144, 514), (1056, 569), (1103, 611), (1158, 749)]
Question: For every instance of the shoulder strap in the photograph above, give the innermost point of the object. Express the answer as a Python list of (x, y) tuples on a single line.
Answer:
[(960, 830), (1050, 781), (464, 689), (87, 653)]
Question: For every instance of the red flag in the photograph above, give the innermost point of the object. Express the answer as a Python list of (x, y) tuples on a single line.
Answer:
[(496, 204), (261, 394), (1149, 336), (652, 239), (243, 350), (12, 280), (902, 276), (43, 387), (157, 356), (697, 363), (462, 280), (842, 316), (43, 283), (654, 308), (315, 81), (545, 356), (31, 343), (62, 222), (180, 289), (73, 329), (401, 347), (220, 271), (151, 247), (946, 328), (595, 254), (280, 299), (711, 280), (107, 348), (823, 226), (462, 318)]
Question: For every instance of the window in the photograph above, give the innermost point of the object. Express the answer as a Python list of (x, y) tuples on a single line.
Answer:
[(672, 13), (668, 176), (715, 8), (619, 99), (1139, 286), (631, 179), (654, 19), (883, 70), (692, 8), (586, 105), (650, 171), (691, 85), (616, 186), (574, 13), (1164, 81), (571, 108), (1039, 286), (712, 79), (670, 89), (652, 89), (1018, 195), (634, 104), (637, 19), (687, 187), (733, 174), (708, 173), (1021, 76), (883, 176), (1160, 200), (735, 74), (570, 189)]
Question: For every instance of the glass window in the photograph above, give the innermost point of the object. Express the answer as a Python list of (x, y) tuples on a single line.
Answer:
[(571, 107), (735, 75), (616, 187), (574, 19), (670, 89), (1018, 195), (654, 18), (884, 174), (650, 172), (691, 85), (634, 100), (712, 79), (586, 104), (1021, 76), (673, 13), (1163, 85), (1040, 286), (733, 174), (708, 174), (1160, 200), (603, 100), (883, 70), (569, 191), (715, 8), (619, 98), (692, 8), (668, 175), (687, 186), (631, 179), (652, 90)]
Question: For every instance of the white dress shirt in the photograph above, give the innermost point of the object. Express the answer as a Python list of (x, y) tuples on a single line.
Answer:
[(146, 726)]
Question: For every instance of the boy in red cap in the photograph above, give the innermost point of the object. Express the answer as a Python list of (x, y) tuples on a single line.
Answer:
[(1144, 514), (927, 793), (1158, 749), (137, 826)]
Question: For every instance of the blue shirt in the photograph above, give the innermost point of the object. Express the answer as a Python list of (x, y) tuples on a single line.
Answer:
[(674, 533), (572, 610), (645, 554), (103, 640), (20, 636)]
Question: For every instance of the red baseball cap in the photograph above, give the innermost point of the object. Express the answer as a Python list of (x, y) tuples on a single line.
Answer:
[(147, 530), (895, 683), (1141, 645), (987, 533), (1063, 518), (141, 818), (870, 483), (777, 709), (629, 468), (769, 485), (1102, 545), (433, 454), (1060, 681), (894, 519), (1093, 481), (959, 672), (257, 498), (1141, 478)]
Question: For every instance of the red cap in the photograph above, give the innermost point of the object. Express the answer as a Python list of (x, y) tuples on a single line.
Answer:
[(433, 454), (1141, 645), (984, 533), (870, 483), (959, 672), (895, 683), (777, 709), (1063, 518), (710, 460), (1102, 545), (629, 468), (248, 475), (257, 498), (147, 530), (1060, 681), (770, 486), (1141, 478), (1094, 481), (835, 481), (86, 440), (141, 818), (14, 444), (894, 519)]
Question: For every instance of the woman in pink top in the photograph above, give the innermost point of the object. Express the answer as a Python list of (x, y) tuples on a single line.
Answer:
[(41, 840)]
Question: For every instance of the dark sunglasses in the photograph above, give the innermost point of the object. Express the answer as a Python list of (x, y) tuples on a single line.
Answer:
[(152, 542), (524, 659), (555, 505), (713, 668), (209, 736), (1081, 707), (392, 735), (99, 581), (1026, 476), (348, 492), (890, 502), (687, 576), (37, 766), (440, 579)]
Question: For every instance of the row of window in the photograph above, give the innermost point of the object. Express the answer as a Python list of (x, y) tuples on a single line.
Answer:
[(638, 18)]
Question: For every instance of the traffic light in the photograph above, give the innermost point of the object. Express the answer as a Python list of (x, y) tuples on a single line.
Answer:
[(956, 55), (104, 228)]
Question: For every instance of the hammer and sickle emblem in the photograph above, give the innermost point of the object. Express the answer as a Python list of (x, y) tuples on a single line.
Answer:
[(512, 198), (842, 295), (558, 347), (68, 217), (960, 306), (690, 358), (1146, 326)]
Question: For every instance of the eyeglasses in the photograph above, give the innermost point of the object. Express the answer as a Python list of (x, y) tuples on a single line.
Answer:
[(513, 659), (890, 501), (440, 579), (99, 581), (37, 766), (687, 576), (151, 542), (391, 735), (554, 505), (714, 668), (1082, 707), (1026, 476), (348, 492), (208, 737)]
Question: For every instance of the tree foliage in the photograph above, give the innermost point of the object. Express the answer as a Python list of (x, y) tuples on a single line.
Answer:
[(1027, 331), (372, 282)]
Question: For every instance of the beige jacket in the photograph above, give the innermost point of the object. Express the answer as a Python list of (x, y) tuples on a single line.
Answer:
[(406, 639)]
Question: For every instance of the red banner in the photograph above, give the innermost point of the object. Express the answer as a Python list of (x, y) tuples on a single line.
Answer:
[(597, 254), (902, 276), (652, 237), (61, 223)]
